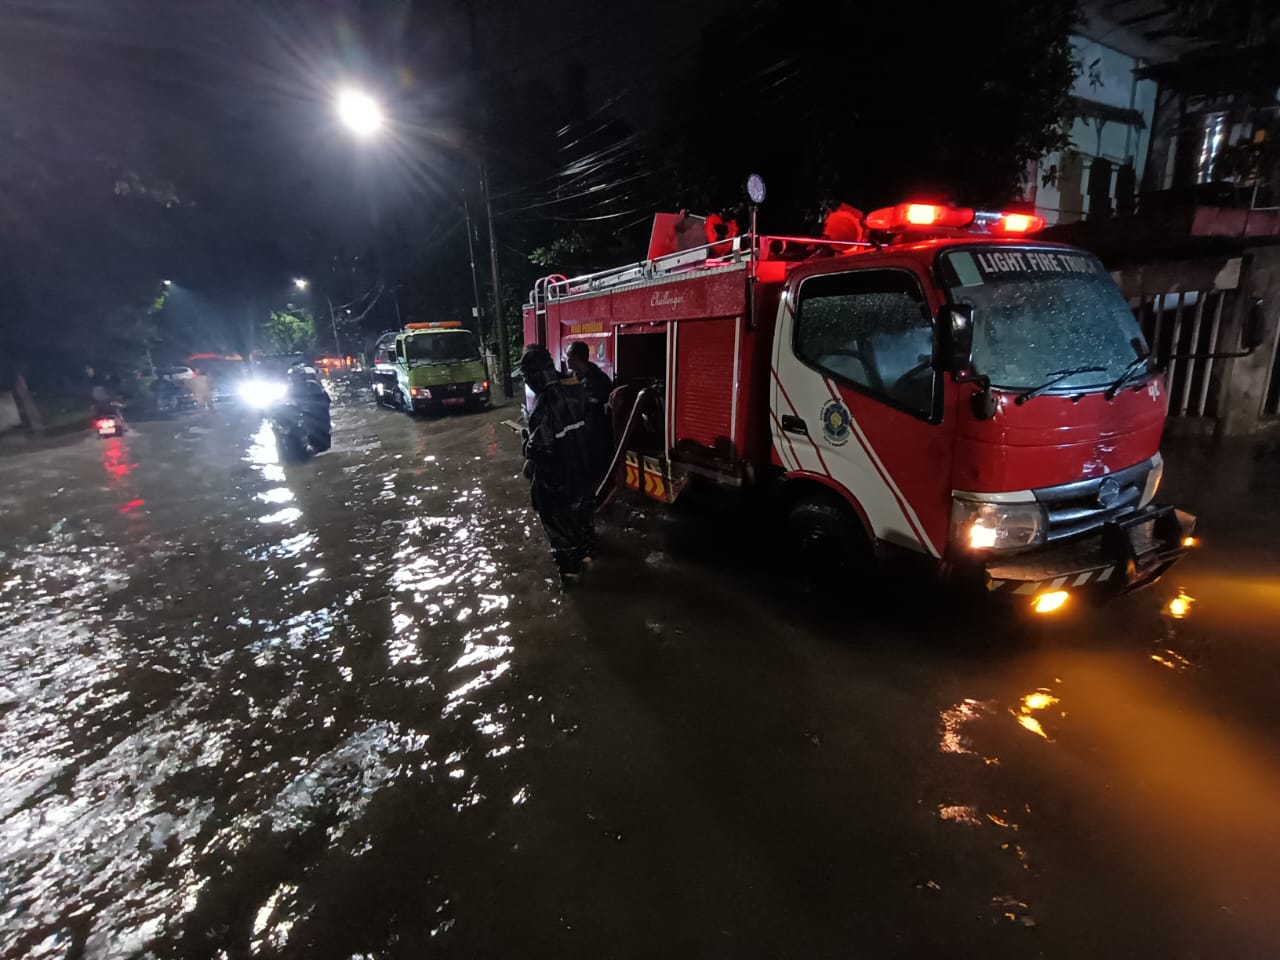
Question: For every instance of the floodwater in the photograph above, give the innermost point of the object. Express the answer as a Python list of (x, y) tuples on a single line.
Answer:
[(342, 709)]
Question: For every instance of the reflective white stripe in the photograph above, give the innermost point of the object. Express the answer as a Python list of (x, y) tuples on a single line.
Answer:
[(1059, 582), (1106, 574), (904, 505), (1026, 588), (1083, 578), (572, 426)]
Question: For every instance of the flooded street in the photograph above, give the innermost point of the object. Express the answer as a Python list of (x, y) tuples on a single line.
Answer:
[(342, 709)]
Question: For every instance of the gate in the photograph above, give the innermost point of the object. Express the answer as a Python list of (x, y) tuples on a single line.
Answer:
[(1190, 310)]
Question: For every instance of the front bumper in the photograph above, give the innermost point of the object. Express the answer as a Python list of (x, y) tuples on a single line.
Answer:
[(1122, 555), (446, 395)]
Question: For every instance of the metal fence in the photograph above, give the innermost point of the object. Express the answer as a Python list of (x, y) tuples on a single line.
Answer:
[(1190, 310), (1182, 327)]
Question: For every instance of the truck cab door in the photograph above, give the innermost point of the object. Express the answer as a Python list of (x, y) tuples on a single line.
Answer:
[(402, 364), (857, 405)]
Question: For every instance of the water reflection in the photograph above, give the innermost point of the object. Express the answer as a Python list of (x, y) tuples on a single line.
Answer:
[(1180, 605), (289, 671), (1037, 700)]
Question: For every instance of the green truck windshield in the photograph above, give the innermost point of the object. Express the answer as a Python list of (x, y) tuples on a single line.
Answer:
[(453, 346), (1038, 312)]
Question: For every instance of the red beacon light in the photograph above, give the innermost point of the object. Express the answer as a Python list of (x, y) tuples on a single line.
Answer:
[(908, 216), (1009, 224)]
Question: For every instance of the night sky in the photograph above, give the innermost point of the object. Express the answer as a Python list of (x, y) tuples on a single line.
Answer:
[(222, 111)]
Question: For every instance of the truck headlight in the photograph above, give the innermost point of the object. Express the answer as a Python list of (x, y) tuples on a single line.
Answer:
[(480, 386), (1154, 476), (994, 525)]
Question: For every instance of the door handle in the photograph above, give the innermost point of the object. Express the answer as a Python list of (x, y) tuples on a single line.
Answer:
[(792, 424)]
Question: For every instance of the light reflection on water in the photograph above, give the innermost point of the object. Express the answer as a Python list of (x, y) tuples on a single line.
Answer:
[(170, 706)]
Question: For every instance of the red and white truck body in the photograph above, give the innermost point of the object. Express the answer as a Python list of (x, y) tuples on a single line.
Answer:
[(963, 392)]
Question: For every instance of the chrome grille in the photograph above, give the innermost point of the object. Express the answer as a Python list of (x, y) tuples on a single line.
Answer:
[(1084, 505)]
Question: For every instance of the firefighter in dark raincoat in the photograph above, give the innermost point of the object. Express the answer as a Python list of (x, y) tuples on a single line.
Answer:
[(597, 386), (558, 460)]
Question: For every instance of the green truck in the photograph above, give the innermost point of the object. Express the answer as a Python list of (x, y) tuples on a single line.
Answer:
[(430, 366)]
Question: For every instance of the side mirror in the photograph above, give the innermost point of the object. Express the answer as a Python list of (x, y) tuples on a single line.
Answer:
[(1255, 324), (953, 346)]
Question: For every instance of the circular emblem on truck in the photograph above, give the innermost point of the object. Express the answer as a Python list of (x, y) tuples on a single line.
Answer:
[(836, 423), (1108, 493)]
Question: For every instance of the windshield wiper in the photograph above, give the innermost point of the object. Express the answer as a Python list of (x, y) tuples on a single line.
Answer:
[(1136, 365), (1055, 378)]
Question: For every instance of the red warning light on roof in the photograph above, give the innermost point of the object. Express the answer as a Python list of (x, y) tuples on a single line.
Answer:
[(1009, 223), (906, 216)]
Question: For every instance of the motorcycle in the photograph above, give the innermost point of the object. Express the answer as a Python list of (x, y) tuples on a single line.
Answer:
[(109, 421), (301, 420)]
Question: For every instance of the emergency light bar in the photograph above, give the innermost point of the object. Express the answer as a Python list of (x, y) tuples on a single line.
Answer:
[(925, 216), (436, 325), (907, 215)]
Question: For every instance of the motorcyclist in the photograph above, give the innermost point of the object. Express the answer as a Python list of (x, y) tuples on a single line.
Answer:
[(102, 399), (308, 397), (558, 461)]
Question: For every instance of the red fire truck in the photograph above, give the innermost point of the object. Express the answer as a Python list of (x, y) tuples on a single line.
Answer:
[(948, 387)]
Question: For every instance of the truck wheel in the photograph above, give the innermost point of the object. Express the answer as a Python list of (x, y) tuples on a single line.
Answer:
[(828, 545)]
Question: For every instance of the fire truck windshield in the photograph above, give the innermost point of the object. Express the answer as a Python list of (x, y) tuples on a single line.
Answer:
[(443, 346), (1040, 312)]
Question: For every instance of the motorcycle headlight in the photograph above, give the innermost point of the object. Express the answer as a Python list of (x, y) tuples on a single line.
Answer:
[(995, 525), (1154, 477), (262, 393)]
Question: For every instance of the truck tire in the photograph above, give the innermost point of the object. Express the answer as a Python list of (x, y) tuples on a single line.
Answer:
[(828, 545)]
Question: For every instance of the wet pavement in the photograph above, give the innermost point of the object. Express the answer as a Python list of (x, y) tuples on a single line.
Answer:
[(342, 709)]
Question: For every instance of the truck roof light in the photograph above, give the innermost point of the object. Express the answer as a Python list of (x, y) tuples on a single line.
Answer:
[(1017, 223), (435, 325), (907, 215)]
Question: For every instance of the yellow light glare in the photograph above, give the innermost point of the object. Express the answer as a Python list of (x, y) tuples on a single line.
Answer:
[(1032, 724), (1049, 602), (981, 536), (1180, 605), (1038, 701), (1190, 542)]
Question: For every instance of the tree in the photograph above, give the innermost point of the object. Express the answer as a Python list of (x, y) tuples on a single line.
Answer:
[(871, 103), (288, 331)]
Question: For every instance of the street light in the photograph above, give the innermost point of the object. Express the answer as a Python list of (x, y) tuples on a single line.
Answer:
[(359, 112), (302, 283), (363, 116)]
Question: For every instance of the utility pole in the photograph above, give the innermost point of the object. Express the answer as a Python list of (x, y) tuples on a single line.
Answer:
[(471, 254), (499, 316), (337, 347)]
